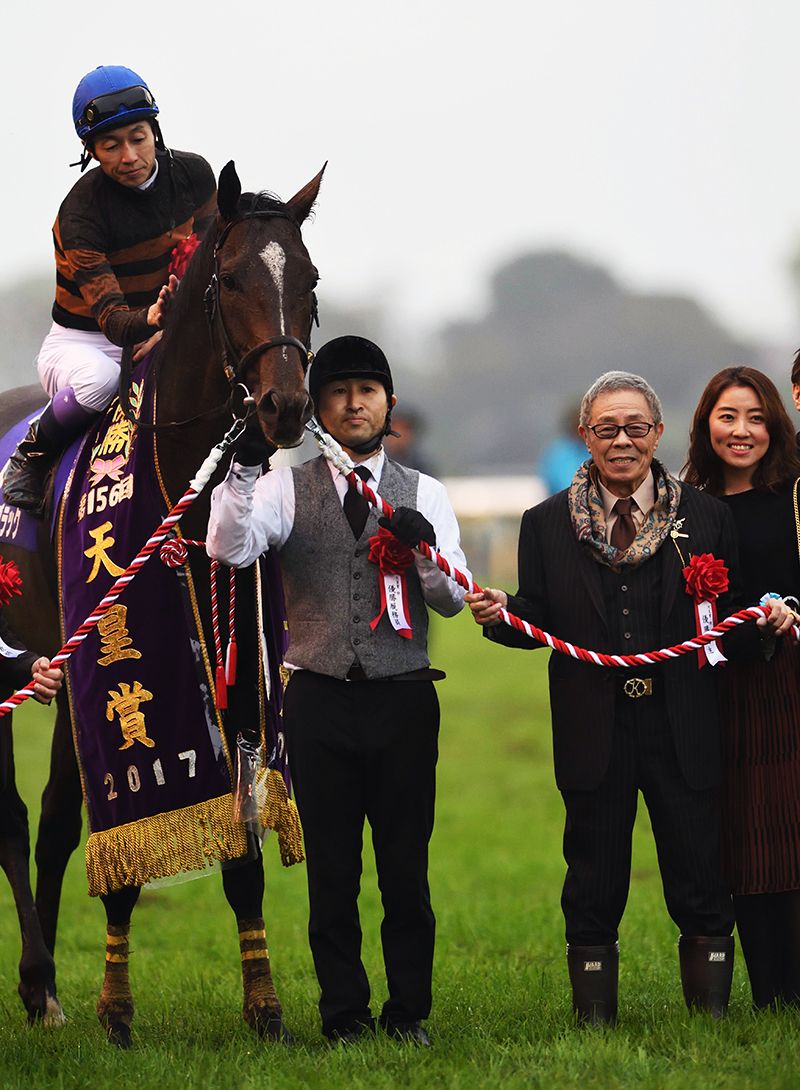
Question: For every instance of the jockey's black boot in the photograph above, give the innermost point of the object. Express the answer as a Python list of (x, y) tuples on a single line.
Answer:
[(706, 972), (593, 974), (28, 470)]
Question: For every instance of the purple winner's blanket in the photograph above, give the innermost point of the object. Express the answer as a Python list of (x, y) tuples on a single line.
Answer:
[(154, 763)]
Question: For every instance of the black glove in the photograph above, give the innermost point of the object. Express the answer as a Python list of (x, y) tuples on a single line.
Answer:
[(252, 447), (409, 526)]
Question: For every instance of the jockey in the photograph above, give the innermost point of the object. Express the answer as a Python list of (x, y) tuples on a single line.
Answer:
[(113, 236)]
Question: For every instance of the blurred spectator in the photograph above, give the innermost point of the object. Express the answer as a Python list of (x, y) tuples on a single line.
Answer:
[(406, 446), (566, 452)]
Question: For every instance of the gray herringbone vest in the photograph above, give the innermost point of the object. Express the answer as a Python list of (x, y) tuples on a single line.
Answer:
[(332, 590)]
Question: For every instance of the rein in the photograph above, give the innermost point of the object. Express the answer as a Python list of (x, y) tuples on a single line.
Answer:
[(233, 365)]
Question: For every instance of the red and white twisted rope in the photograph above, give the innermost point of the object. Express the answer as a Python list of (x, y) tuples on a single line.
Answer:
[(232, 652), (219, 674), (334, 453), (196, 486)]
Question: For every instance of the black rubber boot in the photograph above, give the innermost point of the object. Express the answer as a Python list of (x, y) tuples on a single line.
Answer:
[(706, 972), (594, 976), (27, 475)]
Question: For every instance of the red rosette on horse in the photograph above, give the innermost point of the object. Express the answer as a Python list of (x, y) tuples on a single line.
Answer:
[(10, 581), (181, 254), (393, 559), (706, 578)]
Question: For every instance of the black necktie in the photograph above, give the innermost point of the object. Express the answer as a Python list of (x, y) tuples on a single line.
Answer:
[(356, 508), (624, 530)]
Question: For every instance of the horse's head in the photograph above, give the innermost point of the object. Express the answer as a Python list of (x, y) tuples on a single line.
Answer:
[(261, 300)]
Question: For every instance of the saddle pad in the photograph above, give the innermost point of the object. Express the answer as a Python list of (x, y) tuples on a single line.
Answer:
[(18, 527)]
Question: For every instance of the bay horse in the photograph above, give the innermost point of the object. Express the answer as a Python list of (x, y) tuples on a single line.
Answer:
[(242, 317)]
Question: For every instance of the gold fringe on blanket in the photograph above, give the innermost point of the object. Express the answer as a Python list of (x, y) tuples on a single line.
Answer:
[(280, 813), (190, 839)]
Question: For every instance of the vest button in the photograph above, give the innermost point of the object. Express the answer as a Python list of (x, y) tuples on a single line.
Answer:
[(625, 612), (627, 635), (356, 596), (356, 640), (623, 587), (356, 619), (356, 574)]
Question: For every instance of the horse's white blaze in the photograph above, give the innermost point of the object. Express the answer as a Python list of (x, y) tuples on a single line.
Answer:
[(274, 258)]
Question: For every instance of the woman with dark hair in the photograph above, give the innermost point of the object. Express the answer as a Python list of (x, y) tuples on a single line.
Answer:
[(796, 386), (743, 449)]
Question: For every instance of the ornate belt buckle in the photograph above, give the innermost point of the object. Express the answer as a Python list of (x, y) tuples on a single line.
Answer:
[(635, 687)]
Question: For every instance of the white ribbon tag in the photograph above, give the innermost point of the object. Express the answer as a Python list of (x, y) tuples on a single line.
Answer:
[(706, 619), (10, 652), (393, 588)]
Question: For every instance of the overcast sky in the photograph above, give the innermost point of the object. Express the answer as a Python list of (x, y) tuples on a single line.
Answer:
[(655, 136)]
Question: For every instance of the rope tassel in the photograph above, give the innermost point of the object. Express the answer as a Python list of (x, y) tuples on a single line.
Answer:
[(231, 655)]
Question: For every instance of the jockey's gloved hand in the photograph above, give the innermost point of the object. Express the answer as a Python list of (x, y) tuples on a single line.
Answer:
[(409, 526), (253, 448)]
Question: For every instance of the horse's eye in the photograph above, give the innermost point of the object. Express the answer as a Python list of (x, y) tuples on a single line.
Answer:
[(227, 281)]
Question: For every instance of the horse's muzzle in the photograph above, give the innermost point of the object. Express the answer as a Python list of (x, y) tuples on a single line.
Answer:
[(283, 416)]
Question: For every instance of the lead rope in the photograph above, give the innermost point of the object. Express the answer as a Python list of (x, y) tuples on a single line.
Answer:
[(335, 454), (174, 553)]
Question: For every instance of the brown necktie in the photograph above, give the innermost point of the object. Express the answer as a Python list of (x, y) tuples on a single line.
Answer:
[(355, 507), (624, 529)]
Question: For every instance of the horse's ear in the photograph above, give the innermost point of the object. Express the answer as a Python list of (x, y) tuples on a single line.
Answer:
[(301, 203), (229, 190)]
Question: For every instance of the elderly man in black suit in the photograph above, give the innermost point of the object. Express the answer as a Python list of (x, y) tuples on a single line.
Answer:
[(601, 565)]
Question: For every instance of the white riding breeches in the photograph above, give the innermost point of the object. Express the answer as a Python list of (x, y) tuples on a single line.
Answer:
[(88, 362)]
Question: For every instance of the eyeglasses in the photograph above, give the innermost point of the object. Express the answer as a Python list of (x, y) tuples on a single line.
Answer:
[(638, 429), (104, 107)]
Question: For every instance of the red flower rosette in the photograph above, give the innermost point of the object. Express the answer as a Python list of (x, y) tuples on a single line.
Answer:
[(181, 254), (706, 578), (10, 581), (393, 559)]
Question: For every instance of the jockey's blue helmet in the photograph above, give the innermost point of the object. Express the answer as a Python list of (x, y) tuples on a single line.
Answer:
[(110, 96)]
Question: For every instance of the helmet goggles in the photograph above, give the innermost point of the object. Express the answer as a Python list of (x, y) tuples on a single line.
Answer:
[(104, 110)]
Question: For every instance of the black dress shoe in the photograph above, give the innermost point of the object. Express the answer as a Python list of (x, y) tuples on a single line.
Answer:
[(349, 1035), (412, 1033)]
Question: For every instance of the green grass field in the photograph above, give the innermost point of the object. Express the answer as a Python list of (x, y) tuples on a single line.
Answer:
[(501, 1013)]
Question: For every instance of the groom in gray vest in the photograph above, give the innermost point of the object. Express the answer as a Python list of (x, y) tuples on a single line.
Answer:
[(361, 715)]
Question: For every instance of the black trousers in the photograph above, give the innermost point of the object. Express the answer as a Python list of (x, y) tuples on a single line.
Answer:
[(366, 749), (599, 825), (769, 933)]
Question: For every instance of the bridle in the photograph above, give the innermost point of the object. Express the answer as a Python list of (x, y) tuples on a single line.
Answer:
[(232, 364)]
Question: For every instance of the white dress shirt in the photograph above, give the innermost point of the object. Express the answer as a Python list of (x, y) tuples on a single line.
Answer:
[(252, 513)]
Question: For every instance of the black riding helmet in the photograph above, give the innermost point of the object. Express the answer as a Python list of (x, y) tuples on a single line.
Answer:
[(352, 357)]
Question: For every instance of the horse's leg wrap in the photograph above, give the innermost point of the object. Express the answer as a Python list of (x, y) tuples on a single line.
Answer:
[(261, 1008), (115, 1004)]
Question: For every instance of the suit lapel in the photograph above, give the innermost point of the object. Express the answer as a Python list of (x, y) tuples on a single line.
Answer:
[(672, 568), (590, 574)]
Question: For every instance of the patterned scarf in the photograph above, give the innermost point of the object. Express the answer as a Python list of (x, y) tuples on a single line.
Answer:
[(589, 520)]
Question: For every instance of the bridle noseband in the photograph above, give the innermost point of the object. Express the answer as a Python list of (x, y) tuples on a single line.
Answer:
[(233, 365)]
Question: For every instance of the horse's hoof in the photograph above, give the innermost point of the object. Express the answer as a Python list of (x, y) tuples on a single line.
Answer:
[(53, 1016), (116, 1018), (269, 1026), (119, 1034), (48, 1013)]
